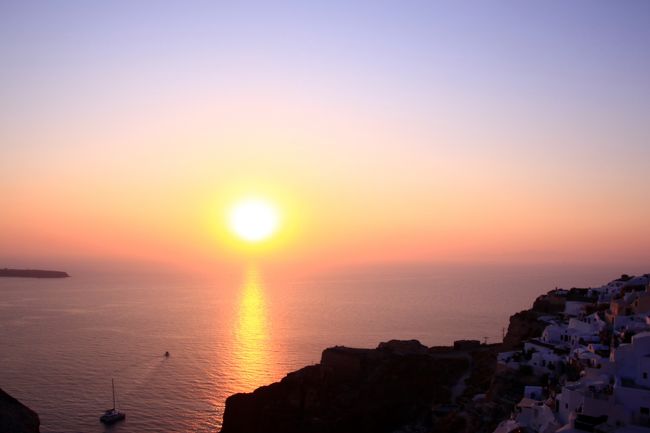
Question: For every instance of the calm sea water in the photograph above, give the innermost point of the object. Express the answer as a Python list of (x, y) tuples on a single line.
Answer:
[(62, 340)]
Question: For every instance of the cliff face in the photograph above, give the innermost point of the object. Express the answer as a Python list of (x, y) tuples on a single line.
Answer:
[(502, 388), (16, 417), (351, 390), (525, 324), (506, 387), (401, 386)]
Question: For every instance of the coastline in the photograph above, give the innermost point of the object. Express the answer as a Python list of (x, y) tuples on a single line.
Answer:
[(404, 386), (400, 386), (551, 373), (15, 417)]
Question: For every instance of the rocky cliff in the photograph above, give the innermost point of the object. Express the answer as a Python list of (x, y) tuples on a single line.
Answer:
[(352, 390), (16, 417), (525, 324), (401, 386)]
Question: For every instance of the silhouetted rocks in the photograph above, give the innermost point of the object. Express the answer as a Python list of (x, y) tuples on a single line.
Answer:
[(15, 417), (352, 390), (32, 273), (550, 303), (401, 386), (524, 325), (467, 344), (403, 347)]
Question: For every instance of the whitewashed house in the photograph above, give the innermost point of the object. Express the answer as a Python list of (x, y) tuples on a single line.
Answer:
[(536, 416)]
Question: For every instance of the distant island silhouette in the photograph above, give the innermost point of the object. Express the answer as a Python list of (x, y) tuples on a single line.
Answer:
[(32, 273)]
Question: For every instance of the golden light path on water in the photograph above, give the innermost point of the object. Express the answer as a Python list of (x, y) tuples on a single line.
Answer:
[(253, 354)]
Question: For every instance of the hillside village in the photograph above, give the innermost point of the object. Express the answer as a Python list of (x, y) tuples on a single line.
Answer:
[(591, 362)]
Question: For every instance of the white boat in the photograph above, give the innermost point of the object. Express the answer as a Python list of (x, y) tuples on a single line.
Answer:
[(112, 415)]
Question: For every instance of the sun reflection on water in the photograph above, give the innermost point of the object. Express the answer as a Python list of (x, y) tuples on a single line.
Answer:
[(252, 343)]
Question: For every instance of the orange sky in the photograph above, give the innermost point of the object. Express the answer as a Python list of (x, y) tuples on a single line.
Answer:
[(388, 145)]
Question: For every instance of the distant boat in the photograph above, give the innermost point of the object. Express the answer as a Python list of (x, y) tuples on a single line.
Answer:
[(112, 415)]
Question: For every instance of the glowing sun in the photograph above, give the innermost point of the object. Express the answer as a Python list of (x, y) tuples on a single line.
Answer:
[(254, 220)]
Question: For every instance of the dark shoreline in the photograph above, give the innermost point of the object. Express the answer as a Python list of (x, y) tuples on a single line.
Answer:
[(15, 417), (398, 387), (32, 273), (406, 387)]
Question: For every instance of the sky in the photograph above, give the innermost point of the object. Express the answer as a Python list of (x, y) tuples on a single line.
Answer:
[(383, 131)]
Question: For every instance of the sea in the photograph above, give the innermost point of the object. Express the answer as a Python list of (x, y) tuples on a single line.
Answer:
[(62, 341)]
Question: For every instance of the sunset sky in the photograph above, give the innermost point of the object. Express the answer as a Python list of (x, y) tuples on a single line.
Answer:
[(382, 131)]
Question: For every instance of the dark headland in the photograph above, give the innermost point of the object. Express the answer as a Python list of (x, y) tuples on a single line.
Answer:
[(470, 387), (15, 417), (32, 273), (398, 387)]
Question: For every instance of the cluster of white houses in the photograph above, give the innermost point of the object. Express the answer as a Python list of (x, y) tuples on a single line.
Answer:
[(595, 357)]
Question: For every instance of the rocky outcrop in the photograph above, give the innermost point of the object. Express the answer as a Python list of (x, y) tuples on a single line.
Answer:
[(467, 345), (352, 390), (16, 417), (401, 386), (551, 303), (403, 347), (523, 325)]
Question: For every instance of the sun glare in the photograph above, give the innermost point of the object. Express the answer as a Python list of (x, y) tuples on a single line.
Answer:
[(254, 220)]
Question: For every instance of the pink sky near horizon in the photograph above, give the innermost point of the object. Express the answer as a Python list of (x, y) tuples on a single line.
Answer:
[(388, 139)]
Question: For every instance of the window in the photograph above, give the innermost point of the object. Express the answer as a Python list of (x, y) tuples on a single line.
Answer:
[(645, 375), (644, 411), (566, 405)]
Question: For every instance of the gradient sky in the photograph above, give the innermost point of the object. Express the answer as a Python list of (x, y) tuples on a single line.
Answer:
[(387, 131)]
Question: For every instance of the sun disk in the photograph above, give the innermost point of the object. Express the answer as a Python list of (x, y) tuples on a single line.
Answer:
[(254, 220)]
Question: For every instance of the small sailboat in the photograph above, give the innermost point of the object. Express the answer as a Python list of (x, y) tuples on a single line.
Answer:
[(112, 415)]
